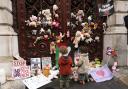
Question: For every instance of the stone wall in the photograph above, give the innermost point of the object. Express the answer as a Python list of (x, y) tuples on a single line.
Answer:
[(116, 34), (8, 38)]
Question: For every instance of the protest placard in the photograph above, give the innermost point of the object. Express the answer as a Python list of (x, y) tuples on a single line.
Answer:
[(20, 70)]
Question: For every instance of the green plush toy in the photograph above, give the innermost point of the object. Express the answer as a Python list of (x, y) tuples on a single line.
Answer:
[(97, 62)]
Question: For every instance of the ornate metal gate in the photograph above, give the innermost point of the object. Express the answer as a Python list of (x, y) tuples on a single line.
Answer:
[(28, 35)]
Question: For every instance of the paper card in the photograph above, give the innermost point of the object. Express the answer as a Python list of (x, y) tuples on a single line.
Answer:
[(36, 81), (35, 62), (46, 61)]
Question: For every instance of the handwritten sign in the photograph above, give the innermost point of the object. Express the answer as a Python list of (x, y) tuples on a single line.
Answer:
[(36, 81), (19, 63), (20, 70)]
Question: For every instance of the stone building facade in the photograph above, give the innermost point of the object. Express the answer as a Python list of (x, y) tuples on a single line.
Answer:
[(8, 38), (116, 34)]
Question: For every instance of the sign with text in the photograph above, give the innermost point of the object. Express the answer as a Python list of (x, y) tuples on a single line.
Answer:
[(46, 61), (36, 81), (19, 63), (35, 62), (106, 9), (101, 74), (20, 70)]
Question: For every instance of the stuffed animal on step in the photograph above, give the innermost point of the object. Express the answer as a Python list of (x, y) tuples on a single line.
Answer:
[(52, 47)]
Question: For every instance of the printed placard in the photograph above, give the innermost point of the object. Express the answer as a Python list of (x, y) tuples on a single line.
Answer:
[(46, 61)]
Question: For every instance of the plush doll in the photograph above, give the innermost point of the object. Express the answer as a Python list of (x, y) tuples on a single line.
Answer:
[(89, 19), (114, 67), (97, 62), (60, 38), (74, 74), (73, 15), (97, 38), (68, 34), (77, 39), (52, 47), (47, 14), (89, 40), (104, 26), (80, 15), (46, 71), (32, 21), (42, 30), (86, 28), (55, 8), (55, 24)]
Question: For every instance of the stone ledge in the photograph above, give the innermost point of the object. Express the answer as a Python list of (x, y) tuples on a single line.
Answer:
[(121, 5), (4, 59), (116, 30), (6, 17), (7, 30), (116, 18), (17, 84), (6, 4)]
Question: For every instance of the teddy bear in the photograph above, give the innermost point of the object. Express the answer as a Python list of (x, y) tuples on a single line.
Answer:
[(75, 74), (114, 67), (32, 21), (78, 37), (80, 15), (55, 24), (55, 8), (60, 37), (52, 47), (89, 19), (47, 14)]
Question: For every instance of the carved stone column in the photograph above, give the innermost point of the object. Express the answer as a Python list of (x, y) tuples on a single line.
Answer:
[(8, 38), (116, 34)]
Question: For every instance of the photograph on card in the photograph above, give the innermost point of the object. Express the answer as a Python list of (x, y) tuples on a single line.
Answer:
[(35, 66), (46, 62)]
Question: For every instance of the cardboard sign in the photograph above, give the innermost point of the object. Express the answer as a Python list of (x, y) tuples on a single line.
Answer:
[(46, 61), (101, 74), (36, 81), (19, 63), (20, 70)]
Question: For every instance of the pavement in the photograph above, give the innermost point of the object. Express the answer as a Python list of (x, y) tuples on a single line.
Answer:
[(122, 75), (120, 81)]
